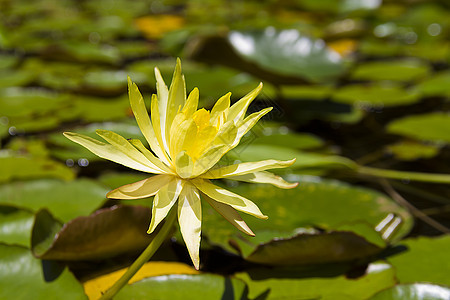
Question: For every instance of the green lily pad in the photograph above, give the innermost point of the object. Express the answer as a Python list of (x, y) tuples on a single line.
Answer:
[(296, 284), (375, 95), (100, 109), (10, 78), (256, 152), (25, 277), (417, 291), (7, 61), (181, 287), (15, 225), (330, 205), (433, 127), (316, 92), (397, 70), (288, 52), (424, 260), (107, 233), (307, 248), (24, 102), (436, 85), (409, 150), (26, 167), (65, 200)]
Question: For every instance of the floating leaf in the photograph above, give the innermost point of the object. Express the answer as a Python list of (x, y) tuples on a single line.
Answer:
[(409, 150), (396, 70), (299, 284), (15, 225), (425, 259), (181, 287), (65, 200), (428, 127), (26, 167), (436, 85), (96, 286), (25, 277), (375, 95), (290, 139), (106, 233), (330, 205), (417, 291), (288, 52), (14, 78)]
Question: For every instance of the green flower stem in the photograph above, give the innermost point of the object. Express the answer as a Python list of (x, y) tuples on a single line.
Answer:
[(413, 176), (143, 258)]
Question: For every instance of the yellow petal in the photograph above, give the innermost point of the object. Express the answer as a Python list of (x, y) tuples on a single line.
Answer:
[(156, 121), (230, 214), (142, 118), (184, 165), (163, 98), (190, 220), (265, 177), (109, 152), (220, 109), (183, 135), (224, 196), (201, 118), (238, 110), (245, 168), (248, 123), (163, 202), (149, 155), (201, 141), (177, 96), (124, 146), (191, 103), (141, 189)]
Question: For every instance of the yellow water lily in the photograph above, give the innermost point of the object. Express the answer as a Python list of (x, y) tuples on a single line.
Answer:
[(186, 145)]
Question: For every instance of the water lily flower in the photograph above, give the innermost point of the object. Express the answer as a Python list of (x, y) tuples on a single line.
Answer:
[(186, 146)]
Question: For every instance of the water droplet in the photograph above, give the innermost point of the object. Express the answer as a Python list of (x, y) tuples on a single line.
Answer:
[(94, 37), (12, 130), (411, 37), (4, 120), (83, 162), (70, 162), (434, 29)]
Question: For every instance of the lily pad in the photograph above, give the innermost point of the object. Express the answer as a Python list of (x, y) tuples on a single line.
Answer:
[(436, 85), (397, 70), (289, 139), (295, 284), (288, 52), (10, 78), (375, 95), (25, 277), (433, 127), (65, 200), (100, 109), (26, 167), (326, 204), (425, 259), (409, 150), (417, 291), (256, 152), (180, 287), (105, 234), (15, 225)]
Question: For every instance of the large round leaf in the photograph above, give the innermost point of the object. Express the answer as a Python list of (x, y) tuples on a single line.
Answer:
[(397, 70), (106, 233), (24, 277), (288, 52), (65, 200), (330, 205), (301, 284), (424, 260), (417, 291), (181, 287), (15, 225), (429, 127)]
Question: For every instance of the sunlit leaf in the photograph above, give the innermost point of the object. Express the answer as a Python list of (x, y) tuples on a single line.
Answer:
[(15, 225), (417, 291), (319, 284), (428, 127), (65, 200), (395, 70), (25, 277), (409, 150), (423, 259)]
